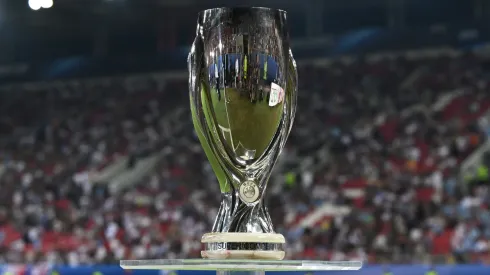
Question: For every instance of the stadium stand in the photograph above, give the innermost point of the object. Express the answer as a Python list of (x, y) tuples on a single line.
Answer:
[(99, 172)]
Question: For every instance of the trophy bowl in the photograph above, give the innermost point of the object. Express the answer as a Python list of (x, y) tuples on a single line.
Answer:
[(243, 91)]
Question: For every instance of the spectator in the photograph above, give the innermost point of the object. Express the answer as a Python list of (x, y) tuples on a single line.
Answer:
[(382, 152)]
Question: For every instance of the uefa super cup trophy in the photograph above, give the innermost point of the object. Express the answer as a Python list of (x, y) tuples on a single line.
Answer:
[(243, 90)]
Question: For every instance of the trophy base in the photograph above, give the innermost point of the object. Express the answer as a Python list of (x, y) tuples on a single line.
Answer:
[(239, 267), (243, 254), (259, 246)]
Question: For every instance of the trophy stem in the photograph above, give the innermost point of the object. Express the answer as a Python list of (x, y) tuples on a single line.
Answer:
[(242, 231), (236, 216)]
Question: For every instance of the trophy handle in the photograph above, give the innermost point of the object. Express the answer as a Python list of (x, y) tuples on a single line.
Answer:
[(291, 97), (195, 62)]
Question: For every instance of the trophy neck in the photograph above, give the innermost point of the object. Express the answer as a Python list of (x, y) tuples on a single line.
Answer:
[(241, 16), (236, 216)]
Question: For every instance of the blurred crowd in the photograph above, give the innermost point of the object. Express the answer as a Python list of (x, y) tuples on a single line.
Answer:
[(399, 132), (382, 138)]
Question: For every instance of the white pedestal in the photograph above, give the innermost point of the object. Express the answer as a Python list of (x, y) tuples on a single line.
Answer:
[(243, 238)]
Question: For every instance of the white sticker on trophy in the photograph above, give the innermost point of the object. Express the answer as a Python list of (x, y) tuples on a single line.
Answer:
[(276, 95)]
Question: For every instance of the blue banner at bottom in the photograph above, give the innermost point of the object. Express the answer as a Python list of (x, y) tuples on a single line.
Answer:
[(367, 270)]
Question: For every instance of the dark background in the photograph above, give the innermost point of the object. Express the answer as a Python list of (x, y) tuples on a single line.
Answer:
[(86, 38), (116, 27)]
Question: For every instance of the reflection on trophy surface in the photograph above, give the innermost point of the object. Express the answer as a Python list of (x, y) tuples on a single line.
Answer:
[(243, 88)]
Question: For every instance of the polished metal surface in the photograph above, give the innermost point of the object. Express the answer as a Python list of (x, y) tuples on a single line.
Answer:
[(243, 90)]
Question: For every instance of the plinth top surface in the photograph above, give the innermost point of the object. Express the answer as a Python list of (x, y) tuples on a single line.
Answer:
[(239, 265)]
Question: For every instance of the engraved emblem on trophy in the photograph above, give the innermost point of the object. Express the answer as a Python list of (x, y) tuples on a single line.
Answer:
[(243, 90)]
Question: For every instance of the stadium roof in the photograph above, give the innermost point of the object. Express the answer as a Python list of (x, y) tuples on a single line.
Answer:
[(66, 13), (79, 22)]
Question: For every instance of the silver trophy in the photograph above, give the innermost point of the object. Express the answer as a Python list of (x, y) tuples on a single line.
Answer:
[(243, 91)]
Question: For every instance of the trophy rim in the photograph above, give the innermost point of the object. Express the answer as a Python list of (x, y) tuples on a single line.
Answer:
[(243, 8)]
